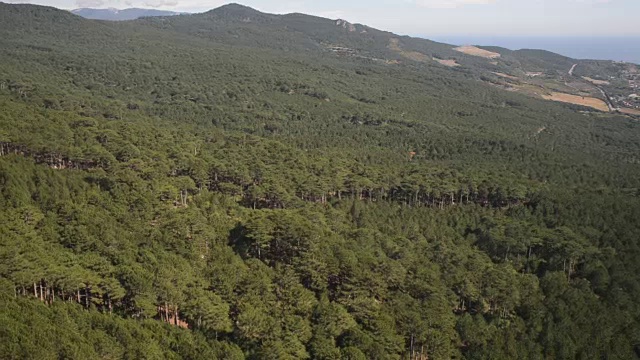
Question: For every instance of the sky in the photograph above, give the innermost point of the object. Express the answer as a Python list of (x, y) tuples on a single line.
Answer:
[(430, 18)]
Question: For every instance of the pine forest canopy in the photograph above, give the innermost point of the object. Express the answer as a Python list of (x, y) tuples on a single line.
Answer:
[(241, 185)]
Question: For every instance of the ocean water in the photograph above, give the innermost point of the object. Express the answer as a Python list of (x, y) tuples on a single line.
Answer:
[(599, 48)]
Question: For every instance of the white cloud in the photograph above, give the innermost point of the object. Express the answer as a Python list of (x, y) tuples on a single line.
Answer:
[(89, 3), (180, 5), (160, 3), (449, 4), (332, 14)]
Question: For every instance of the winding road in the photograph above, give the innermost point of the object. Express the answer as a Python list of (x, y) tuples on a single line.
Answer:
[(606, 99), (604, 94)]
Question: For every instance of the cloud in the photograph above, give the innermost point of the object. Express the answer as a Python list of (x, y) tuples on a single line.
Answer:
[(331, 14), (181, 5), (89, 3), (449, 4), (160, 3)]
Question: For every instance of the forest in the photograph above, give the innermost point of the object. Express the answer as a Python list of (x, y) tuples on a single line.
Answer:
[(224, 186)]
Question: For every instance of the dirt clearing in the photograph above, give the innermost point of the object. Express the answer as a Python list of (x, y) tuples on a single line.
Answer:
[(578, 100), (394, 44), (449, 63), (475, 51), (505, 75)]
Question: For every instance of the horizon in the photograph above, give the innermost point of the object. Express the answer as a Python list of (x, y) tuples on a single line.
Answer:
[(589, 18), (615, 48)]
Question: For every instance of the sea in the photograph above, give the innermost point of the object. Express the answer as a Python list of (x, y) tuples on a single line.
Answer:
[(596, 48)]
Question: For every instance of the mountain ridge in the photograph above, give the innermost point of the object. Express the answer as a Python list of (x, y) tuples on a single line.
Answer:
[(239, 10), (537, 73), (300, 32)]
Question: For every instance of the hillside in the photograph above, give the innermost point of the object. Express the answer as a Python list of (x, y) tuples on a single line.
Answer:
[(241, 185), (536, 73), (120, 15)]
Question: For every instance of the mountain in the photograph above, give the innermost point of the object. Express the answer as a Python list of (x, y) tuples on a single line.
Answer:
[(121, 15), (536, 73), (243, 185)]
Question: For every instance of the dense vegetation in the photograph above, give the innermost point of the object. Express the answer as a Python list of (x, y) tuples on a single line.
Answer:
[(223, 186)]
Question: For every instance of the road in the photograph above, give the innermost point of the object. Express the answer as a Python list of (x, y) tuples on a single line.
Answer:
[(604, 94), (606, 99)]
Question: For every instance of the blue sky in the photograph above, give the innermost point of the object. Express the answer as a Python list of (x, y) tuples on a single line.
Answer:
[(433, 17)]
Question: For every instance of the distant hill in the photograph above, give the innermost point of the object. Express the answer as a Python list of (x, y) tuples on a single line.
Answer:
[(121, 15), (536, 73)]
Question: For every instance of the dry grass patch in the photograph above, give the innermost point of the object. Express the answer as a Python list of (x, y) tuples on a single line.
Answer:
[(449, 63), (578, 100), (505, 75), (475, 51), (394, 44), (595, 81)]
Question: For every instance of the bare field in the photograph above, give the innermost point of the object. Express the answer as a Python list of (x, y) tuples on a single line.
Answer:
[(629, 111), (450, 63), (578, 100), (474, 51), (597, 82)]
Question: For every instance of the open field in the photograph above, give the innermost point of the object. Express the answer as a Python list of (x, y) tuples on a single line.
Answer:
[(450, 63), (595, 81), (578, 100), (474, 51)]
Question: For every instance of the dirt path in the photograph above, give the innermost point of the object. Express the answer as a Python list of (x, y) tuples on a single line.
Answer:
[(606, 99), (572, 68)]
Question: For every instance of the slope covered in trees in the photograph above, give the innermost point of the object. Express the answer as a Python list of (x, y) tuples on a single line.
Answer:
[(210, 187)]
